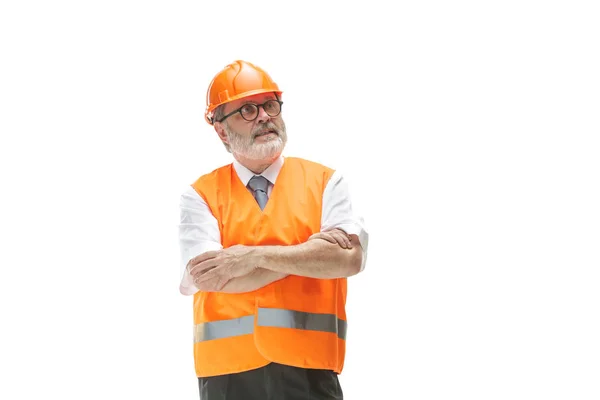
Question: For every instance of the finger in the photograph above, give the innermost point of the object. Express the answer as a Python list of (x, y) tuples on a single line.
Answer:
[(328, 237), (347, 240), (207, 255), (205, 278), (221, 283), (209, 285), (324, 236), (338, 239), (343, 240), (203, 266), (218, 272), (344, 236)]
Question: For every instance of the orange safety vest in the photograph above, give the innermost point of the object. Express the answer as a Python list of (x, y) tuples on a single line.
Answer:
[(295, 321)]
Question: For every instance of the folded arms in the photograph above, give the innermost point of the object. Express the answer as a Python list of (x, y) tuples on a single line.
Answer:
[(238, 269)]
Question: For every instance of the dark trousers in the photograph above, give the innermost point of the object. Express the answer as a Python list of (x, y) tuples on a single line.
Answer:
[(273, 382)]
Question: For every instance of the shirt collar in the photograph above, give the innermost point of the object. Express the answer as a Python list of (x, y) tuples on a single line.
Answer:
[(270, 173)]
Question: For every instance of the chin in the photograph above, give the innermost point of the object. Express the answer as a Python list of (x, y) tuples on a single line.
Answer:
[(266, 151), (264, 157)]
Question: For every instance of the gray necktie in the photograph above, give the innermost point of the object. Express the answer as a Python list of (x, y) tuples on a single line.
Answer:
[(259, 185)]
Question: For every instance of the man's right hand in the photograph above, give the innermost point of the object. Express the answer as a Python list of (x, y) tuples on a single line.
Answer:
[(334, 236)]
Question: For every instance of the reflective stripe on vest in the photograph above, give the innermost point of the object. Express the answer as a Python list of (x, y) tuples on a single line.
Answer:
[(223, 329), (273, 317)]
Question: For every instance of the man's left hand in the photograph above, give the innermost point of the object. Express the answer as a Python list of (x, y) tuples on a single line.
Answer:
[(212, 270), (335, 236)]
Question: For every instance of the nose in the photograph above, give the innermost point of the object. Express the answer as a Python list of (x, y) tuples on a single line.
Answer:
[(262, 115)]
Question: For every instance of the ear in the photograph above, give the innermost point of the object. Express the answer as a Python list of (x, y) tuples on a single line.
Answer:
[(221, 132)]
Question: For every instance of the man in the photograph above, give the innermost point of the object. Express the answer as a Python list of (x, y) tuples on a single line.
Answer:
[(267, 243)]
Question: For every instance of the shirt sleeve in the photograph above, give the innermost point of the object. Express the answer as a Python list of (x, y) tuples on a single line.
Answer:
[(198, 233), (338, 212)]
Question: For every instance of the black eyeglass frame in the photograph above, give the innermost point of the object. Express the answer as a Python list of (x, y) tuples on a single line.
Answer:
[(257, 106)]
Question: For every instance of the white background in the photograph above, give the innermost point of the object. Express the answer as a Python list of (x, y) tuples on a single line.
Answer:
[(469, 130)]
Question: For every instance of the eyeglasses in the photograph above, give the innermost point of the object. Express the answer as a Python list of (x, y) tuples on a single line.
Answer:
[(249, 111)]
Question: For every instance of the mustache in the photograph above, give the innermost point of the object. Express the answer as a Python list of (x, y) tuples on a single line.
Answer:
[(262, 128)]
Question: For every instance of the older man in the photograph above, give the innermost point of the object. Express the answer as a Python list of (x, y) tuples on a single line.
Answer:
[(267, 243)]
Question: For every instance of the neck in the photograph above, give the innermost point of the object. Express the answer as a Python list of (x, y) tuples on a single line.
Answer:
[(256, 166)]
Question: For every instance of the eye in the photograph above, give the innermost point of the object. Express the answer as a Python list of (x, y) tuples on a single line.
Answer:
[(271, 106), (248, 109)]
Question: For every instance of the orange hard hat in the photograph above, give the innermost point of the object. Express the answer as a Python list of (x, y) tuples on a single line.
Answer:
[(238, 79)]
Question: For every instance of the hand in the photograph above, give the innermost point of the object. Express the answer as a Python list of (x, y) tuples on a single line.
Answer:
[(334, 236), (210, 271)]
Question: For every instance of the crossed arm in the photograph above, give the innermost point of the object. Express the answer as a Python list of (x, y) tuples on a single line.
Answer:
[(238, 269)]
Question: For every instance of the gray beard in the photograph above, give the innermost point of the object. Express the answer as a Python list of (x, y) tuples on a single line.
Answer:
[(247, 148)]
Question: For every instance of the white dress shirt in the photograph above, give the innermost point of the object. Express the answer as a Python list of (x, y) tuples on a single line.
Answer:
[(199, 229)]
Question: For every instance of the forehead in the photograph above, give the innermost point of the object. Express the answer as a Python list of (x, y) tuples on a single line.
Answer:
[(257, 99)]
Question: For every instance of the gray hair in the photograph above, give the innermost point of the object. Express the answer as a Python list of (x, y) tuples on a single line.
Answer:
[(217, 115), (219, 112)]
